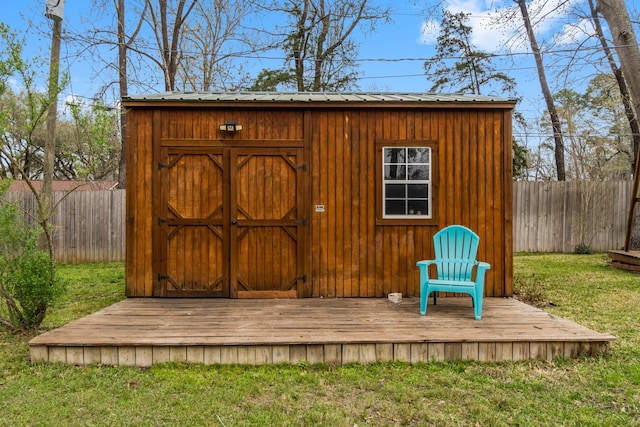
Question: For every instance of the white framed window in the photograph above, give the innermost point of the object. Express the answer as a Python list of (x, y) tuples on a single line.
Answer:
[(406, 182)]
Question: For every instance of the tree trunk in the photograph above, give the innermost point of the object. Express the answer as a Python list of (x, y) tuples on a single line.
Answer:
[(616, 14), (300, 47), (124, 91), (46, 196), (622, 85), (546, 92)]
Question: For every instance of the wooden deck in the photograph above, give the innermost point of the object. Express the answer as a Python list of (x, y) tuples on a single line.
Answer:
[(141, 332), (625, 260)]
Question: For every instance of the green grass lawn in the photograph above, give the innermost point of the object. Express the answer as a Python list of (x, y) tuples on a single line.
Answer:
[(593, 391)]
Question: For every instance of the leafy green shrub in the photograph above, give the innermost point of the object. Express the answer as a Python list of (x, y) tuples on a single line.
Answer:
[(583, 249), (28, 282)]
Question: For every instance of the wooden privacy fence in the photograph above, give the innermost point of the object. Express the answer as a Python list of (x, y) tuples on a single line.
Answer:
[(557, 216), (547, 217), (89, 226)]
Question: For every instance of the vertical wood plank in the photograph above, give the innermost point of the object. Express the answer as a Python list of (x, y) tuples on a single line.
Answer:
[(571, 349), (229, 355), (436, 351), (453, 351), (144, 355), (161, 354), (504, 351), (91, 355), (109, 356), (177, 353), (507, 200), (367, 353), (126, 356), (280, 354), (384, 352), (521, 350), (537, 350), (39, 353), (315, 353), (246, 355), (470, 351), (402, 352), (75, 356), (555, 349), (487, 351), (419, 352), (195, 354), (333, 354), (212, 355), (264, 355), (350, 353), (297, 354)]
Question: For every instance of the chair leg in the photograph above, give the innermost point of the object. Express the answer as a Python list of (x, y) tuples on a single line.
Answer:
[(477, 305)]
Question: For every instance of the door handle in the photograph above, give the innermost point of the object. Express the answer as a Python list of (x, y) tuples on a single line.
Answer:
[(234, 222)]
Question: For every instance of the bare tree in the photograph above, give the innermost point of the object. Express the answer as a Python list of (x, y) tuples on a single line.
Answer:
[(167, 21), (212, 42), (318, 43), (622, 83), (624, 38), (124, 88), (546, 92)]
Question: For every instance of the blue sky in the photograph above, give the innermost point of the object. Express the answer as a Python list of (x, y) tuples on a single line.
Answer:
[(381, 52)]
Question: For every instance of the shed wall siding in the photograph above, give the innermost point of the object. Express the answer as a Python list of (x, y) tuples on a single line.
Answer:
[(347, 254), (139, 249), (354, 257)]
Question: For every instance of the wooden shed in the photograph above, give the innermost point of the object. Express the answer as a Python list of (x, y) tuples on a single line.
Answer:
[(249, 195)]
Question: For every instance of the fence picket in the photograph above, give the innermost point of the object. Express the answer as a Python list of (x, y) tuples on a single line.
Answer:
[(547, 217)]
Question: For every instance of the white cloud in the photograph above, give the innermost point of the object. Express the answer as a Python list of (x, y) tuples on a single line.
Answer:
[(491, 36), (574, 33)]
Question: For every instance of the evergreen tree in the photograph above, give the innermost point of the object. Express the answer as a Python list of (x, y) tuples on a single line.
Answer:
[(458, 66)]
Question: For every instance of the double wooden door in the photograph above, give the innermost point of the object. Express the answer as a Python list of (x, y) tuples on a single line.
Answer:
[(231, 222)]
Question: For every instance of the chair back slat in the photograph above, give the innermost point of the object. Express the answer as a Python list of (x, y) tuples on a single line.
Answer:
[(456, 248)]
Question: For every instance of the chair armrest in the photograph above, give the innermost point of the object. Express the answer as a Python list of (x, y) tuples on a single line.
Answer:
[(483, 265), (426, 262), (482, 268), (424, 267)]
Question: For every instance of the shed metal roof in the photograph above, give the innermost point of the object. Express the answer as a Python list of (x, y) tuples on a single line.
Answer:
[(314, 97)]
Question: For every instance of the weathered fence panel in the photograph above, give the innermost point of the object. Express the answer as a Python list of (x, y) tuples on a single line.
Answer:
[(557, 216), (547, 217), (89, 226)]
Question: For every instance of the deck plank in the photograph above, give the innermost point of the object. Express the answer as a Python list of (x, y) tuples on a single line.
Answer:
[(144, 331)]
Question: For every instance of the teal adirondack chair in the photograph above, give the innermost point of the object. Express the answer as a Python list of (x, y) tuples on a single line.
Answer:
[(455, 251)]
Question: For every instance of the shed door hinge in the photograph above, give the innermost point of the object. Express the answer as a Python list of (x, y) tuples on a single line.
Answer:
[(162, 166), (302, 221), (162, 276), (302, 167), (161, 221), (303, 278)]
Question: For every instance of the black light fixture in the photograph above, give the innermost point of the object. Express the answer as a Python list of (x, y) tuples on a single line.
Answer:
[(230, 126)]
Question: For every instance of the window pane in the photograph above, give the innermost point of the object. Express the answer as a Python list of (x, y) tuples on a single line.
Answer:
[(418, 191), (418, 155), (394, 155), (395, 191), (419, 207), (406, 182), (419, 172), (395, 172), (395, 207)]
